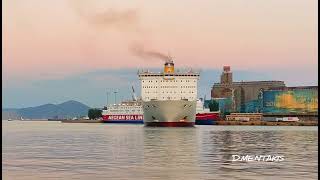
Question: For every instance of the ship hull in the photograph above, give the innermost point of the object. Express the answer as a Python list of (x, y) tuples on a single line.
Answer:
[(169, 113), (205, 122), (169, 124), (206, 118), (126, 119), (125, 122)]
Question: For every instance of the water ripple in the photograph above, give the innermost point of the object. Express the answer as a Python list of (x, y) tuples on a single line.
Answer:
[(52, 150)]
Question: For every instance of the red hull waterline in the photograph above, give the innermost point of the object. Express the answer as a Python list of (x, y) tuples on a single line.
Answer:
[(169, 124)]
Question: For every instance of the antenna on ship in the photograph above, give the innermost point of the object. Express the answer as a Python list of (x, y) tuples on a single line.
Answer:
[(108, 97), (115, 97), (134, 97)]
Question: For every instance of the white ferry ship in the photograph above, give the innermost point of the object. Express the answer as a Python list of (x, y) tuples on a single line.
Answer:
[(169, 97)]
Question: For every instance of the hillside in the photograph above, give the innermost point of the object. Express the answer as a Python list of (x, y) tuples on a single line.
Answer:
[(67, 109)]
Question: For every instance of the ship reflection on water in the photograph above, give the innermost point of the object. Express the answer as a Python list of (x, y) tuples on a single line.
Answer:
[(171, 153)]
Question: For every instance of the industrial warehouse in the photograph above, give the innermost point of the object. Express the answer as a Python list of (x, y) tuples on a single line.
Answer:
[(272, 99)]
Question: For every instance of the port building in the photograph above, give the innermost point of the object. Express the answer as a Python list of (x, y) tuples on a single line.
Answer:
[(271, 98), (241, 96)]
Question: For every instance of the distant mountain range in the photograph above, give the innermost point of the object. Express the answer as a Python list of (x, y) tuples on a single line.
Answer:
[(68, 109)]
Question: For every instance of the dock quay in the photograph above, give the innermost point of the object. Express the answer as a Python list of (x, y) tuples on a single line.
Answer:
[(81, 121), (267, 123)]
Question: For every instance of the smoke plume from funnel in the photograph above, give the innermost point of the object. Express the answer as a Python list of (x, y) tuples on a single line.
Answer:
[(113, 18), (123, 20), (105, 18), (140, 51)]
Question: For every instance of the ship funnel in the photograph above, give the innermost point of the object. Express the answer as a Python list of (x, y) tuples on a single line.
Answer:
[(169, 65)]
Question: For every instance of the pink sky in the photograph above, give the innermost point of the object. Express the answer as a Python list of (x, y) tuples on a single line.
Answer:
[(50, 38)]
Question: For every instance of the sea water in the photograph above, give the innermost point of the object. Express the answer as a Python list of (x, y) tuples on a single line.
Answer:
[(53, 150)]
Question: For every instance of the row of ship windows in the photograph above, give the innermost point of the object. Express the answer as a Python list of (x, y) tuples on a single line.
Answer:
[(126, 108), (169, 81), (168, 86), (170, 98), (123, 110), (153, 75), (148, 92)]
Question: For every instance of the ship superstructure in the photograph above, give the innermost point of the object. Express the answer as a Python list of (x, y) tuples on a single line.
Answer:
[(126, 112), (169, 97)]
